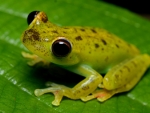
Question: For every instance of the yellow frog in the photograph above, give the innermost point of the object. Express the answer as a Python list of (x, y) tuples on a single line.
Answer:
[(88, 52)]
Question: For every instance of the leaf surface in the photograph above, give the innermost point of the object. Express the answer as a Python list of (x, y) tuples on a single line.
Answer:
[(18, 80)]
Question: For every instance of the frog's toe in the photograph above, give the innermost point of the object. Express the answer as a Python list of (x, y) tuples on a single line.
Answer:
[(48, 84), (87, 98), (58, 98), (103, 95), (38, 92), (56, 103)]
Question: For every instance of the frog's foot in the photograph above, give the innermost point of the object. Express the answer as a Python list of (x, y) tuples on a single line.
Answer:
[(104, 95), (101, 95), (34, 59), (56, 89)]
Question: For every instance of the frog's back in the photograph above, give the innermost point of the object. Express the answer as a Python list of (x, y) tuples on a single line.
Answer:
[(99, 48)]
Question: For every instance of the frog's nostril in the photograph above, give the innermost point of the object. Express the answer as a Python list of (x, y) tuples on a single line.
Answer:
[(31, 16)]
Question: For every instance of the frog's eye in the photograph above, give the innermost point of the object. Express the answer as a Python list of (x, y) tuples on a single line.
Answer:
[(31, 16), (61, 47)]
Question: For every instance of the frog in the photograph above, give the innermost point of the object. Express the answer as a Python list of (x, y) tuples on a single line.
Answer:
[(108, 64)]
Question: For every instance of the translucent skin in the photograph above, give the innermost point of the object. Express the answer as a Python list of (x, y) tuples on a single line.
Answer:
[(94, 51)]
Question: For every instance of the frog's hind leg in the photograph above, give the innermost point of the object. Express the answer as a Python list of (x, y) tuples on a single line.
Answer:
[(121, 78), (83, 88)]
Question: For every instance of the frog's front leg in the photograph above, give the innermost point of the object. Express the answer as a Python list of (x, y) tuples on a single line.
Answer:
[(82, 89), (122, 77), (34, 59)]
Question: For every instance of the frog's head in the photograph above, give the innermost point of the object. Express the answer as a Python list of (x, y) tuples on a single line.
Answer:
[(42, 39)]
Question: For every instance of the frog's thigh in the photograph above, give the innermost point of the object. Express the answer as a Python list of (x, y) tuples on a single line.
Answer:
[(129, 70), (123, 77)]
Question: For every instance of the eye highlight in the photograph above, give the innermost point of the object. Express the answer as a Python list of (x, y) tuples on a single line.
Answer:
[(31, 16), (61, 48)]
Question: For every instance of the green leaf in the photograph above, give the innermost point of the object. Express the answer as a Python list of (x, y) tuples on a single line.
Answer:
[(18, 80)]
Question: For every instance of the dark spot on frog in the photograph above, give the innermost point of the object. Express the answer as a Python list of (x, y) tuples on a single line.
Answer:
[(75, 30), (44, 18), (119, 41), (129, 45), (134, 63), (32, 35), (66, 28), (126, 79), (102, 49), (24, 39), (89, 52), (106, 59), (143, 62), (117, 76), (54, 31), (33, 43), (117, 45), (96, 45), (127, 68), (44, 32), (127, 50), (82, 29), (85, 87), (120, 71), (104, 42), (78, 38), (77, 92), (46, 54), (64, 32), (93, 30), (88, 36)]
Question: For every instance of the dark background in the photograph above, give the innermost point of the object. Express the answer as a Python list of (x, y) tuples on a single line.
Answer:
[(141, 7)]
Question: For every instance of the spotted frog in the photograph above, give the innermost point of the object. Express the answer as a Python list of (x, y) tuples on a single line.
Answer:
[(88, 52)]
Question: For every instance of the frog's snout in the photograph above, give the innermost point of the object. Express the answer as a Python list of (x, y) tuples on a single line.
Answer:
[(31, 36)]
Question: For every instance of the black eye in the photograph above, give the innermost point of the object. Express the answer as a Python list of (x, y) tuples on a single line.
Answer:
[(31, 16), (61, 48)]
